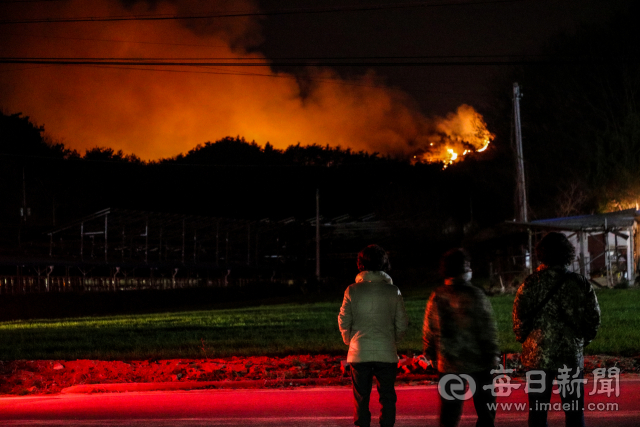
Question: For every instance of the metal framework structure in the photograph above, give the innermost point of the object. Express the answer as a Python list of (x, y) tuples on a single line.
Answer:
[(606, 243), (118, 249), (127, 236)]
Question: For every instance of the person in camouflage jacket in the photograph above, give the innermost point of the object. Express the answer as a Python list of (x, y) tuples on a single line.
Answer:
[(460, 335), (555, 315)]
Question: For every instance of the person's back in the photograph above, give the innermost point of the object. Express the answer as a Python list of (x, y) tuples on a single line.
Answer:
[(555, 336), (374, 303), (372, 320), (555, 314), (460, 333), (465, 339)]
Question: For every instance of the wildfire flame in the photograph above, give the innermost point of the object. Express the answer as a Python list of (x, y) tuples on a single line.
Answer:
[(454, 137)]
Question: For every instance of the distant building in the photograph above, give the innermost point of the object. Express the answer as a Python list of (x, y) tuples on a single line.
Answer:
[(606, 244)]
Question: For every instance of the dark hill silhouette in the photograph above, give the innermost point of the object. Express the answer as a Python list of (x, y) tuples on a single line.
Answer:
[(237, 151)]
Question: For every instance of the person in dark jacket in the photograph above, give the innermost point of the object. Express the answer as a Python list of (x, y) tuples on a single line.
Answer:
[(460, 333), (555, 315), (372, 320)]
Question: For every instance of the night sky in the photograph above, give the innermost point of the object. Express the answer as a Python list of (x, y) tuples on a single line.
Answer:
[(159, 111)]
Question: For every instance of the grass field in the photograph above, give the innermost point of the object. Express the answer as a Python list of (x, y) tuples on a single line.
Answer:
[(271, 330)]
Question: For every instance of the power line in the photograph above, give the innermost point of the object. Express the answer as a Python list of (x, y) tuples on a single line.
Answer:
[(29, 1), (400, 62), (289, 77), (291, 58), (256, 14), (110, 40), (26, 68)]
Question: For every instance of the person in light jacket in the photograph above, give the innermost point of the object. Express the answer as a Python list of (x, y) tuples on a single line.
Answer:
[(372, 321)]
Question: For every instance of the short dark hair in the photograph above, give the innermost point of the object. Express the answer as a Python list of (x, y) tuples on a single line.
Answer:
[(373, 258), (555, 250), (454, 263)]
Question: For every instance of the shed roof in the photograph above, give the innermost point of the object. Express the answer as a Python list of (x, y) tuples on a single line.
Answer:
[(618, 219)]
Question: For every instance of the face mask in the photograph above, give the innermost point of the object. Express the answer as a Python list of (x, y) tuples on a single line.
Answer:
[(467, 276)]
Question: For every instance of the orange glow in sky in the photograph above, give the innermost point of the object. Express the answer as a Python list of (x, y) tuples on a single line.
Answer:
[(161, 111)]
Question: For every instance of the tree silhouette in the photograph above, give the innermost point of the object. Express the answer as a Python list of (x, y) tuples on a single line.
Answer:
[(581, 119)]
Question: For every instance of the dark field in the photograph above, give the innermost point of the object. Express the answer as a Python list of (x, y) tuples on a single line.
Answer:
[(302, 327)]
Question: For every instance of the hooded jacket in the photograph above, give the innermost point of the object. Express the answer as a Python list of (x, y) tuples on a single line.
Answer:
[(459, 329), (372, 318), (557, 334)]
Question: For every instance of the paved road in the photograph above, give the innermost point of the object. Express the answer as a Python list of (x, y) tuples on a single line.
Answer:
[(330, 406)]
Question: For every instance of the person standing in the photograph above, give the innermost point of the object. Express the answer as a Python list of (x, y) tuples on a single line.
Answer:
[(460, 334), (372, 321), (555, 315)]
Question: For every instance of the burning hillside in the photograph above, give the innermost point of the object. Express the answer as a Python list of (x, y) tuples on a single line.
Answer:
[(454, 137)]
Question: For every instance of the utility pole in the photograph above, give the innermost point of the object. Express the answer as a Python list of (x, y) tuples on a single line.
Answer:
[(521, 191), (25, 211), (317, 233)]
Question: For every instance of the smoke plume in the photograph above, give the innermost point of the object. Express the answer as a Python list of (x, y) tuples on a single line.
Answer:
[(161, 111)]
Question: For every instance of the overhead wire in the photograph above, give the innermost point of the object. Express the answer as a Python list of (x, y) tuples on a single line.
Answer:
[(314, 61), (399, 62), (340, 82), (26, 68), (29, 1), (165, 17), (110, 40), (336, 81), (284, 58)]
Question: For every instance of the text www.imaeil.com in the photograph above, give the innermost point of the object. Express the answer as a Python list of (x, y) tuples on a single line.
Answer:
[(600, 407)]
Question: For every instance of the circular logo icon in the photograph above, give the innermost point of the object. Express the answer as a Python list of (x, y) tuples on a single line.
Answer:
[(452, 386)]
